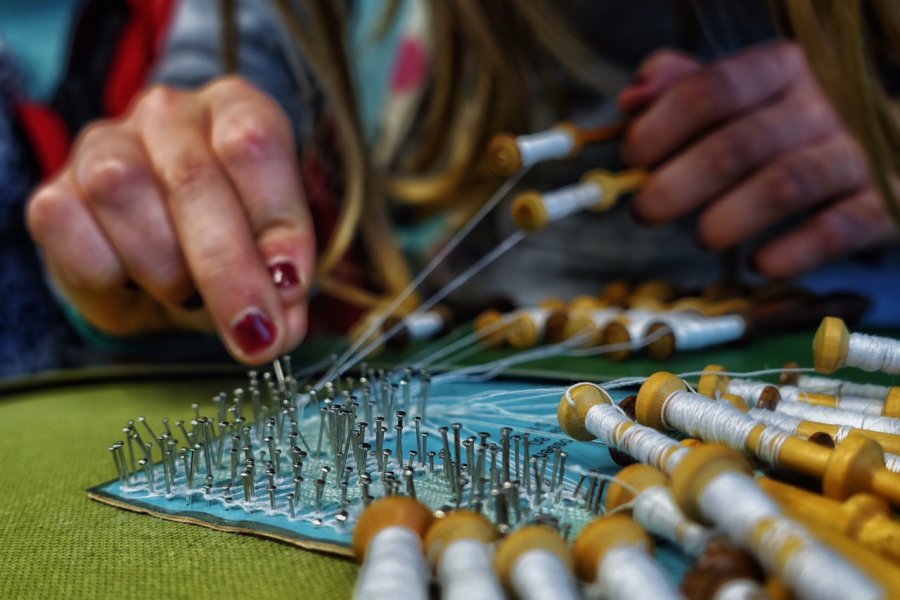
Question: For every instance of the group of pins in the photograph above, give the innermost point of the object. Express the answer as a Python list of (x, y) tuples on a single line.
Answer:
[(322, 457), (754, 537)]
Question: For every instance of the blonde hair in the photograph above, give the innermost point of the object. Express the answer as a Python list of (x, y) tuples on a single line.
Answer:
[(490, 55)]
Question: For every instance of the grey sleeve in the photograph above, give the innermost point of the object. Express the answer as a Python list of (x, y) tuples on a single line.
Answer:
[(192, 54)]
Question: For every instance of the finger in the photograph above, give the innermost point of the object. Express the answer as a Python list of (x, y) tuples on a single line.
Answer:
[(252, 139), (63, 226), (212, 227), (858, 221), (656, 74), (83, 262), (711, 95), (718, 161), (117, 181), (790, 184)]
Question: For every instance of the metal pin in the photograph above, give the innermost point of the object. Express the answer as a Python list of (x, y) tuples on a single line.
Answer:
[(410, 487), (272, 490), (248, 486), (445, 455), (431, 462), (322, 411), (516, 439), (320, 489), (504, 446), (495, 475), (379, 435), (412, 459), (385, 460), (498, 499), (417, 421), (399, 429), (555, 470), (290, 499), (457, 427), (424, 450), (365, 480), (146, 425), (298, 480), (526, 465)]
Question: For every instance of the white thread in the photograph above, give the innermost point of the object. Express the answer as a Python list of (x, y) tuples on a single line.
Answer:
[(394, 567), (836, 416), (340, 364), (892, 462), (734, 502), (740, 589), (814, 570), (613, 427), (720, 422), (602, 316), (445, 291), (636, 322), (863, 405), (466, 572), (424, 325), (571, 199), (545, 145), (825, 385), (873, 353), (748, 390), (540, 574), (627, 572), (776, 419), (655, 510), (693, 331)]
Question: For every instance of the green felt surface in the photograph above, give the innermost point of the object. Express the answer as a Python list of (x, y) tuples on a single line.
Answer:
[(57, 543)]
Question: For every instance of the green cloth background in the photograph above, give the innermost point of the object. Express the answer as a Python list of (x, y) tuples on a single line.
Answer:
[(56, 543)]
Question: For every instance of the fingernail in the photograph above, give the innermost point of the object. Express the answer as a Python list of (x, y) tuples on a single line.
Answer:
[(284, 274), (195, 302), (254, 332)]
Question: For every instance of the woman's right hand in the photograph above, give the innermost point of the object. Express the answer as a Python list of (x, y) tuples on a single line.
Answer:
[(190, 201)]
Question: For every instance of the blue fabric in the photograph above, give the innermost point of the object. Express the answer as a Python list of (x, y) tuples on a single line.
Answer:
[(33, 333)]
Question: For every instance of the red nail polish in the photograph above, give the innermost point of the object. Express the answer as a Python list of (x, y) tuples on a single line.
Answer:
[(284, 274), (254, 332)]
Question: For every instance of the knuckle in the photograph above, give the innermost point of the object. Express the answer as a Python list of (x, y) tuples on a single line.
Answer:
[(107, 178), (786, 185), (246, 137), (232, 86), (159, 101), (189, 172), (731, 155), (45, 211)]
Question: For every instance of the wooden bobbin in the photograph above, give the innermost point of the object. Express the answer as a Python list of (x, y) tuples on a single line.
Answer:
[(490, 327), (637, 477), (616, 293), (863, 517), (529, 209), (527, 327), (572, 415), (404, 336), (505, 159), (524, 540), (712, 384), (721, 564), (393, 511), (458, 525), (616, 333), (830, 345), (602, 535), (857, 465), (697, 469)]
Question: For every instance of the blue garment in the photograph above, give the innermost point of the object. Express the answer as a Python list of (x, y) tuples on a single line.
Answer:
[(33, 333)]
